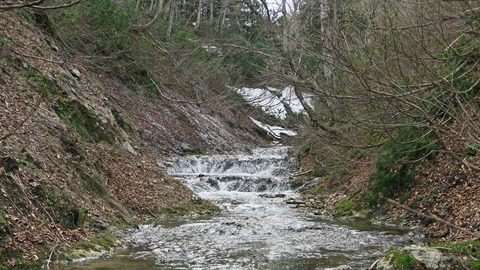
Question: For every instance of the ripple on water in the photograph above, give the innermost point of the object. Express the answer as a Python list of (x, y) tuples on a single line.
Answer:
[(252, 232)]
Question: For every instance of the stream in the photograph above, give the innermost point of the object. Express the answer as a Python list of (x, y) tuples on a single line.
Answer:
[(255, 230)]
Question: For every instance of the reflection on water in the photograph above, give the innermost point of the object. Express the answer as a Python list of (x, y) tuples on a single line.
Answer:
[(252, 232)]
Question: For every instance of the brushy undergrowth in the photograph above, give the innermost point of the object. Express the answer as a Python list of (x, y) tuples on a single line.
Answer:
[(395, 165)]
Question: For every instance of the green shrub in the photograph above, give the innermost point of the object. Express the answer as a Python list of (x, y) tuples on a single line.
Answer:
[(344, 208), (111, 20), (247, 64), (395, 164), (404, 261), (471, 149), (469, 251)]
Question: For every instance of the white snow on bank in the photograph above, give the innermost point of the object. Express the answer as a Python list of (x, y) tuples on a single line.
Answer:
[(264, 99), (274, 131), (272, 100), (288, 97), (211, 48)]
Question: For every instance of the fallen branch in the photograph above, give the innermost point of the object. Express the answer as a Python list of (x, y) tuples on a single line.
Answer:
[(374, 264), (50, 257), (34, 4), (436, 218), (303, 173), (167, 98), (248, 49), (19, 183), (58, 6), (35, 107), (150, 212), (13, 5), (38, 57)]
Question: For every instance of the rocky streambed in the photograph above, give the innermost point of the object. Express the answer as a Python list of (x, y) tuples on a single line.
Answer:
[(260, 227)]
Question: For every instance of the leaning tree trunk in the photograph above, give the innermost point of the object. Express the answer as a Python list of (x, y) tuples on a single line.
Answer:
[(170, 18), (223, 13), (199, 14), (158, 12), (210, 9)]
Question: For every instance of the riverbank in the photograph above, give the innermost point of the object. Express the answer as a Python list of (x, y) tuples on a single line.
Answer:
[(256, 228), (80, 147), (444, 191)]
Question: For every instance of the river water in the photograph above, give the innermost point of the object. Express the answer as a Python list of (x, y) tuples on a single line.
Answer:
[(255, 230)]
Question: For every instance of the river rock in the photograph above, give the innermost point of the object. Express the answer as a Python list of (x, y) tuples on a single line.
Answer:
[(75, 72), (427, 257), (341, 267), (272, 196)]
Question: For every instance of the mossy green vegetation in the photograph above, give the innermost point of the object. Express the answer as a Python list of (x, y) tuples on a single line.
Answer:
[(92, 181), (396, 162), (467, 253), (401, 260), (84, 121), (95, 245), (19, 262), (61, 208), (197, 206), (33, 79), (344, 208), (113, 19)]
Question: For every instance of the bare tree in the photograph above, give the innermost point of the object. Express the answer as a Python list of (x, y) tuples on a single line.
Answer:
[(158, 12), (36, 4), (199, 14), (383, 65), (173, 7), (223, 13)]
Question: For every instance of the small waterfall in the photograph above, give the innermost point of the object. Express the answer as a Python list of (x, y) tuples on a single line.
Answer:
[(254, 230), (264, 170)]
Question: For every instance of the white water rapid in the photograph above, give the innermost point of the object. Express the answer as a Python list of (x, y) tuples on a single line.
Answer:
[(255, 230)]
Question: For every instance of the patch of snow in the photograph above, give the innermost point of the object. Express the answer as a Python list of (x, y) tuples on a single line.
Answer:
[(274, 131), (210, 48), (272, 100), (264, 99), (290, 98)]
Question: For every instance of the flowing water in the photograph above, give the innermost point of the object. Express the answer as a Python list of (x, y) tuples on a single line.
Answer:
[(255, 230)]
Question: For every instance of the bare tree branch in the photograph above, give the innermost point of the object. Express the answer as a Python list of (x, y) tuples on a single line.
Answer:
[(436, 218), (59, 6), (35, 4), (13, 5), (14, 131)]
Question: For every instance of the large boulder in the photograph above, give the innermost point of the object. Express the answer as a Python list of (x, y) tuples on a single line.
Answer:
[(413, 257)]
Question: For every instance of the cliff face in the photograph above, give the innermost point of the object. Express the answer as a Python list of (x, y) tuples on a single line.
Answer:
[(79, 149)]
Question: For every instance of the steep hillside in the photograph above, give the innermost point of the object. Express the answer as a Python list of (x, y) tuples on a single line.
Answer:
[(437, 185), (80, 147)]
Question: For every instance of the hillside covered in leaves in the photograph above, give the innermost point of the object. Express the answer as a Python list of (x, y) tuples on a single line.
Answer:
[(94, 94)]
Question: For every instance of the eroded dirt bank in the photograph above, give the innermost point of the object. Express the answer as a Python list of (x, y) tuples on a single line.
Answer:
[(79, 149)]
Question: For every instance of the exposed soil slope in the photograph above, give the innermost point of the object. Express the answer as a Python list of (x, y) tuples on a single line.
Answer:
[(442, 187), (79, 150)]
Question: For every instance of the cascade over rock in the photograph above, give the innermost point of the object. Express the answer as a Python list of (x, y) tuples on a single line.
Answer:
[(265, 169)]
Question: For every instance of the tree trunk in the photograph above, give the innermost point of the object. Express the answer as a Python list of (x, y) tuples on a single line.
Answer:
[(158, 11), (152, 3), (138, 5), (326, 38), (286, 25), (223, 13), (199, 14), (170, 18), (210, 4), (237, 13)]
